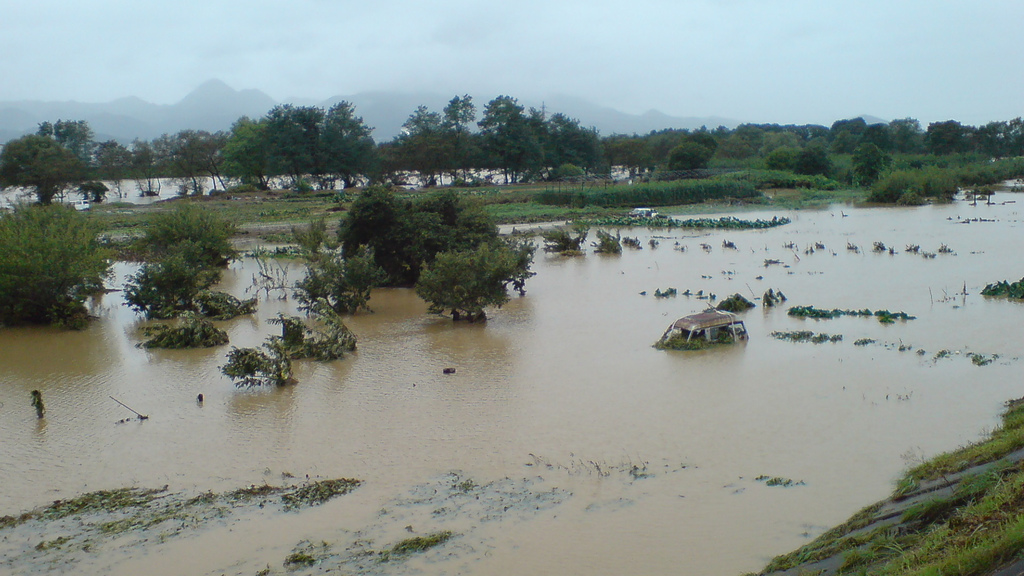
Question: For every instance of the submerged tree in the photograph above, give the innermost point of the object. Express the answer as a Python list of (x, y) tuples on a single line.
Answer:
[(563, 241), (252, 367), (464, 283), (344, 283), (40, 164), (50, 262), (193, 332)]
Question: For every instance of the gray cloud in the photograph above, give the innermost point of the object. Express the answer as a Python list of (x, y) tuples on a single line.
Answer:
[(767, 60)]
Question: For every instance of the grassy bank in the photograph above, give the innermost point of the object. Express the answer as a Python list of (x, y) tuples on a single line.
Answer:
[(961, 513), (268, 214)]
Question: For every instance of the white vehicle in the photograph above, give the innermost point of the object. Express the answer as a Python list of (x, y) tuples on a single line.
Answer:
[(643, 213), (80, 204)]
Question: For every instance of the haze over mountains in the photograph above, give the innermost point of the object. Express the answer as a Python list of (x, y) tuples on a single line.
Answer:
[(215, 106)]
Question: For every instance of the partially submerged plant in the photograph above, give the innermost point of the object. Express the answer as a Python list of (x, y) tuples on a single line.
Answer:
[(562, 241), (607, 244), (254, 367), (193, 332), (735, 303)]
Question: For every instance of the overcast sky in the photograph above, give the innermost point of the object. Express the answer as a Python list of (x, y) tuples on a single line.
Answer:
[(786, 61)]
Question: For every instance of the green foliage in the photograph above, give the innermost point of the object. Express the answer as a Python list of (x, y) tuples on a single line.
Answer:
[(782, 159), (193, 332), (807, 336), (404, 236), (735, 303), (868, 163), (252, 367), (1005, 288), (318, 492), (902, 185), (328, 339), (165, 288), (50, 261), (883, 316), (416, 544), (465, 282), (345, 283), (772, 179), (563, 241), (690, 156), (607, 244), (313, 239), (39, 163), (221, 305), (201, 236)]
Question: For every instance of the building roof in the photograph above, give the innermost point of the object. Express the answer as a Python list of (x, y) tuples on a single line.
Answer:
[(705, 320)]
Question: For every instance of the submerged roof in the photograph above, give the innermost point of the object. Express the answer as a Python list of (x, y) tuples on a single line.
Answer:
[(705, 320)]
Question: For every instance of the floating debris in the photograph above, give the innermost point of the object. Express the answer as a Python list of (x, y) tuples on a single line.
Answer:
[(667, 293), (633, 243), (779, 481), (725, 222), (864, 341), (729, 245)]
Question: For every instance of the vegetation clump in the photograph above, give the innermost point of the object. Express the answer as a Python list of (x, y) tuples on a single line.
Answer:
[(416, 544), (221, 305), (679, 342), (562, 241), (735, 303), (193, 332), (666, 293), (50, 263), (329, 339), (607, 244), (251, 367), (807, 336), (883, 316), (723, 223), (778, 481), (463, 283), (318, 492), (1005, 288), (772, 298)]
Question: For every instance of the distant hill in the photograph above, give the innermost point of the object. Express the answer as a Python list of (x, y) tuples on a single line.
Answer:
[(215, 106)]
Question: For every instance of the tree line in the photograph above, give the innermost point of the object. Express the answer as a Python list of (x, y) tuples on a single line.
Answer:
[(316, 148)]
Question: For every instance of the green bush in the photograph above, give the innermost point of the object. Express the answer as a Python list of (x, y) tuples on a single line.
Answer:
[(50, 261), (201, 235), (166, 288)]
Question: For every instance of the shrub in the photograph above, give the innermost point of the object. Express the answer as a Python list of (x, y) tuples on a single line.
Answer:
[(50, 262), (201, 235), (163, 289)]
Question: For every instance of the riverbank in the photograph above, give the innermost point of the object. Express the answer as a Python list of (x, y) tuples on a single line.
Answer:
[(961, 513)]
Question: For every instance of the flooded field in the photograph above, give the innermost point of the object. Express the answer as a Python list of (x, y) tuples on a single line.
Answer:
[(585, 450)]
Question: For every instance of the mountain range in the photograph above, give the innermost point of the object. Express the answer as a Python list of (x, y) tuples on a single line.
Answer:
[(216, 106)]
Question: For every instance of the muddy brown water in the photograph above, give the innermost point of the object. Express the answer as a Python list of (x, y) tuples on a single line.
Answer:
[(561, 387)]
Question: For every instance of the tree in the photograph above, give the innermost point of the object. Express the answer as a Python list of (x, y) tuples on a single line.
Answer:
[(907, 136), (145, 168), (74, 135), (630, 152), (423, 146), (247, 154), (463, 283), (510, 138), (165, 288), (689, 155), (404, 235), (347, 148), (569, 143), (949, 137), (50, 262), (113, 163), (813, 160), (783, 158), (868, 163), (293, 138), (40, 163), (459, 115), (344, 283)]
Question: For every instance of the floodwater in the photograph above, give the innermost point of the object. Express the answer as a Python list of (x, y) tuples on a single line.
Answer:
[(561, 387)]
